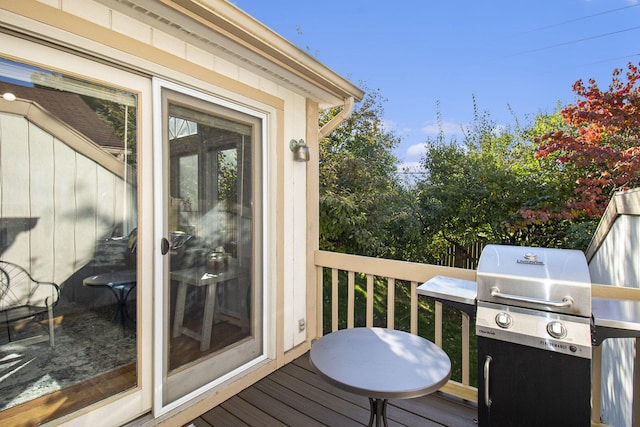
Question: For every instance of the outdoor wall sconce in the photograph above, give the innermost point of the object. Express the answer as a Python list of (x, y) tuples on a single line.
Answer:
[(300, 150)]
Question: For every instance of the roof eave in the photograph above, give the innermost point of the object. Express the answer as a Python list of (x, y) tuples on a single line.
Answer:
[(231, 33)]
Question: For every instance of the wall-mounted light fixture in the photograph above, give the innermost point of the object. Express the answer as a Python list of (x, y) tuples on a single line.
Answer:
[(300, 150)]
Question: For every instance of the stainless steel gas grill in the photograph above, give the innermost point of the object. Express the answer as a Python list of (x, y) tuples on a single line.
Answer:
[(533, 324)]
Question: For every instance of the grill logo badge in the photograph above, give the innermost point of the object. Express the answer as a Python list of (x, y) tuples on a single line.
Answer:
[(530, 258), (552, 345)]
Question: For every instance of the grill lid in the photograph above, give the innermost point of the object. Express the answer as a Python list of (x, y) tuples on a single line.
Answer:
[(546, 279)]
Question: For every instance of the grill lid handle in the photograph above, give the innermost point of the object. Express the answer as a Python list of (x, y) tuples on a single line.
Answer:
[(566, 302)]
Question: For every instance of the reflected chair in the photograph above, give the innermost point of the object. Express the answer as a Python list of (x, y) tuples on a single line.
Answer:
[(22, 297)]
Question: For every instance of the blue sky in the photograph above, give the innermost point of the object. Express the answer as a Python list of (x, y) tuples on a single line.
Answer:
[(522, 54)]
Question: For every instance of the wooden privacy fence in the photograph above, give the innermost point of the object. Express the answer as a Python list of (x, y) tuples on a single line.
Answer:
[(463, 257)]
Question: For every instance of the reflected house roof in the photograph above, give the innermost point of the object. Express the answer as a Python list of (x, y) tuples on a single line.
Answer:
[(71, 109)]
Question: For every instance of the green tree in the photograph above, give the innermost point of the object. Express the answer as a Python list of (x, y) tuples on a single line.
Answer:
[(557, 184), (361, 199), (477, 189)]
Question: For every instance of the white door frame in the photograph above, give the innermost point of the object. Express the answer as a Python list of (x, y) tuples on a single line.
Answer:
[(161, 219)]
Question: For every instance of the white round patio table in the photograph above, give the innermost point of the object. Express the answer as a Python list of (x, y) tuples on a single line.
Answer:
[(381, 364)]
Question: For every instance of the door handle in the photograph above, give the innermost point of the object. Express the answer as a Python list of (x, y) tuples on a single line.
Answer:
[(164, 246), (487, 363)]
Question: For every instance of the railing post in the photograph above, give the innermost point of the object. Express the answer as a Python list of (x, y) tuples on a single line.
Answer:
[(414, 308), (334, 299), (370, 300), (351, 291), (635, 402), (391, 303), (596, 383), (319, 302), (465, 348), (438, 322)]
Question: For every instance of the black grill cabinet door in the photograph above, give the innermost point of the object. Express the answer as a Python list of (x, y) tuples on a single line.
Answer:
[(532, 387)]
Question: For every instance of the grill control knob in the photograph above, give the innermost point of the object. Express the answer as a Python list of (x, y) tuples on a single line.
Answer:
[(504, 320), (556, 330)]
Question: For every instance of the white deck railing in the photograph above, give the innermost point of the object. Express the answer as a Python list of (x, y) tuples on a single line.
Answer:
[(392, 271), (416, 274)]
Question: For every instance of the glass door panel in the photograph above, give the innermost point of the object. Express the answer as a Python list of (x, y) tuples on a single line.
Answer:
[(212, 287), (68, 221)]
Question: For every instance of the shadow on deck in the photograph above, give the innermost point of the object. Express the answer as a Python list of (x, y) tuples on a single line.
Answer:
[(295, 396)]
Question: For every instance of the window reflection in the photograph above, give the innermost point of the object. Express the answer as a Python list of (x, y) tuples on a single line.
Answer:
[(68, 215)]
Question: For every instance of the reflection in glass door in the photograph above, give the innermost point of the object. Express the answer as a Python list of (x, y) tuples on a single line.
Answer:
[(212, 287), (68, 221)]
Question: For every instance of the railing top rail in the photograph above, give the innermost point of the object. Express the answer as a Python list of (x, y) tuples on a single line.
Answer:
[(417, 272), (400, 270)]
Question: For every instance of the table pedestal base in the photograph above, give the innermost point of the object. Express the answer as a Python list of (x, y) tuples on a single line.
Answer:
[(378, 411), (121, 293)]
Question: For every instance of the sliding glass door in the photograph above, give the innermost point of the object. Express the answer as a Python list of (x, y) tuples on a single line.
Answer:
[(210, 241), (68, 228)]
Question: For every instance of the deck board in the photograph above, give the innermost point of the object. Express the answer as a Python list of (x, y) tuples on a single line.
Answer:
[(219, 416), (295, 396), (323, 399), (249, 414)]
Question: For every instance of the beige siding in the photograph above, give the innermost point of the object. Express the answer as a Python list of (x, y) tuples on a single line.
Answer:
[(127, 25), (200, 56), (142, 32), (168, 43), (226, 68), (88, 10)]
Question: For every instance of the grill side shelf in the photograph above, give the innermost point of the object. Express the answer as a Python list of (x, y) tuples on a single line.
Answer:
[(615, 319), (457, 293)]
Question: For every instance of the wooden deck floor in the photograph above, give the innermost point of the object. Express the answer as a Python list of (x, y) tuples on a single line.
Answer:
[(296, 396)]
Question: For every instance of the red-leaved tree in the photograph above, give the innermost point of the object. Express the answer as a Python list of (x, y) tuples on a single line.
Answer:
[(600, 145)]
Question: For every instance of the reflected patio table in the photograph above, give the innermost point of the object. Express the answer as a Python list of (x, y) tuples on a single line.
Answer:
[(120, 283)]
